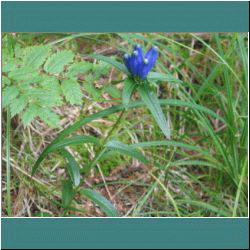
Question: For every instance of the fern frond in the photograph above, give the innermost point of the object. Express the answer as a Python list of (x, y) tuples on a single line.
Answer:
[(55, 63)]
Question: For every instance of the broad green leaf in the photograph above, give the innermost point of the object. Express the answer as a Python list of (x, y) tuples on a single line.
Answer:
[(29, 114), (111, 61), (154, 76), (35, 56), (9, 94), (126, 149), (74, 140), (105, 205), (18, 104), (72, 91), (79, 68), (73, 167), (154, 106), (55, 64), (67, 193), (128, 87)]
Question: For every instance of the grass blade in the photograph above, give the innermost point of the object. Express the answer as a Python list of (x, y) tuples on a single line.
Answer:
[(9, 210)]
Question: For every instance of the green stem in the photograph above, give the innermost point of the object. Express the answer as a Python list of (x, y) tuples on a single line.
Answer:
[(8, 197), (102, 150)]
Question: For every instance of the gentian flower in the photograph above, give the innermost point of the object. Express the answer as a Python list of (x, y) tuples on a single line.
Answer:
[(139, 65)]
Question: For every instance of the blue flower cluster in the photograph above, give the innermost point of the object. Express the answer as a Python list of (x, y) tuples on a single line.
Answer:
[(139, 65)]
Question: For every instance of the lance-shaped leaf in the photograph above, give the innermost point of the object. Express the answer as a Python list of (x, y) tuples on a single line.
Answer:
[(76, 126), (126, 149), (152, 102), (128, 87), (73, 167), (63, 142), (105, 205), (67, 193)]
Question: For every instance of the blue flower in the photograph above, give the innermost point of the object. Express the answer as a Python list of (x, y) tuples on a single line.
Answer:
[(139, 65)]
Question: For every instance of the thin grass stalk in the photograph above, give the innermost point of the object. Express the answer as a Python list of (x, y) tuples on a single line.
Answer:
[(8, 197)]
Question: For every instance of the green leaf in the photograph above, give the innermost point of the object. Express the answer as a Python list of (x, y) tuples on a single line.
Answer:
[(72, 91), (74, 140), (5, 81), (30, 113), (67, 193), (171, 144), (111, 61), (35, 56), (88, 87), (63, 143), (73, 167), (154, 106), (129, 86), (23, 73), (10, 65), (113, 91), (76, 126), (51, 118), (55, 63), (9, 94), (101, 68), (105, 205), (154, 76), (79, 68), (18, 104), (52, 96), (126, 149)]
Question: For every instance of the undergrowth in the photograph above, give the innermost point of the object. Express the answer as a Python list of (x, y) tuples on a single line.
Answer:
[(122, 161)]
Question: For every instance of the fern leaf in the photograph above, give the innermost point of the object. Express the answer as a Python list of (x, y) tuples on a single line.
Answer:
[(55, 63), (9, 93), (35, 56), (5, 81), (72, 91), (22, 74), (30, 113), (17, 105), (79, 68), (52, 96), (49, 117)]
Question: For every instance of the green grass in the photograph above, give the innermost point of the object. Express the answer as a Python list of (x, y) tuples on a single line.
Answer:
[(200, 172)]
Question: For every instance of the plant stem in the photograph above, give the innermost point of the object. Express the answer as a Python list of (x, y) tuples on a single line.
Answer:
[(102, 150), (8, 197)]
